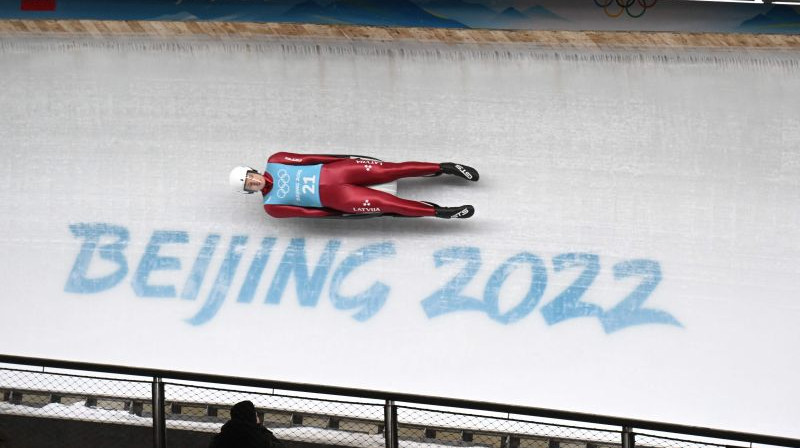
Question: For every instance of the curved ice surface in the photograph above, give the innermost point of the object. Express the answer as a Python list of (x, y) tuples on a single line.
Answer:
[(664, 187)]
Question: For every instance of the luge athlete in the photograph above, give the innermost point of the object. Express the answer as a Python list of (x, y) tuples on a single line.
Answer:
[(337, 186)]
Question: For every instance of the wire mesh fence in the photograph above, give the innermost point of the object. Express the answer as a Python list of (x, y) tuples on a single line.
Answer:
[(42, 408), (661, 441), (73, 410), (497, 431), (291, 419)]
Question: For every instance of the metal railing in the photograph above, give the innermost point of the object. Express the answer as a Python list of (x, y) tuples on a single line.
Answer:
[(169, 408)]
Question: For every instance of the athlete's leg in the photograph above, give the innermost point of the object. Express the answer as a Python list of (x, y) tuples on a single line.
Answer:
[(368, 172), (358, 199)]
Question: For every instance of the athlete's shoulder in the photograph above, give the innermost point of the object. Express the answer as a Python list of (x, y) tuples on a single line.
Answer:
[(285, 157)]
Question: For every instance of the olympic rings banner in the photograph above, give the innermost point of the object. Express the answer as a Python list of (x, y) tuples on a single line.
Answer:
[(617, 15), (633, 8)]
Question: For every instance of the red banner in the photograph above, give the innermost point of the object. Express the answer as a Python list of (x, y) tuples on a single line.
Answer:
[(38, 5)]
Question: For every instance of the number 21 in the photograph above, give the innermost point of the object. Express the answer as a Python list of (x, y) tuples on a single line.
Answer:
[(309, 189)]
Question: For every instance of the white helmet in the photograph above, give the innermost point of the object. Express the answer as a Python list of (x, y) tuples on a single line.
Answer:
[(238, 176)]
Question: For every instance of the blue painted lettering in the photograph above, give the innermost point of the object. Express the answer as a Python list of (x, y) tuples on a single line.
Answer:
[(250, 284), (78, 282), (629, 312), (448, 299), (294, 260), (568, 305), (371, 300), (109, 243), (531, 299), (222, 283), (195, 279), (151, 261)]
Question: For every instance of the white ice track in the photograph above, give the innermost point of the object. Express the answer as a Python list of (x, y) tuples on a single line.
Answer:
[(688, 160)]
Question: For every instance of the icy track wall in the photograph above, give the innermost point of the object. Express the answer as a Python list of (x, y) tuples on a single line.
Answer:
[(635, 249)]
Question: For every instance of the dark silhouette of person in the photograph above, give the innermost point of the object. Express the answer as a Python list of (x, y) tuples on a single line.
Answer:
[(243, 430)]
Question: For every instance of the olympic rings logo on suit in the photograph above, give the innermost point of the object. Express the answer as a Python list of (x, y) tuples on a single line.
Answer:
[(626, 6), (283, 183)]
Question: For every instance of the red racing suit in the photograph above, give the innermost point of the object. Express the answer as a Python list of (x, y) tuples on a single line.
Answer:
[(343, 186)]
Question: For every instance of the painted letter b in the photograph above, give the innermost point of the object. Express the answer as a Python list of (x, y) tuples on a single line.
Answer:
[(78, 280)]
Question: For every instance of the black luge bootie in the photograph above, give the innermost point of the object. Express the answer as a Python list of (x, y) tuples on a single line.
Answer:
[(462, 212), (463, 171)]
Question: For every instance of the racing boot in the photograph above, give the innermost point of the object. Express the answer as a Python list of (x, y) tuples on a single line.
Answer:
[(465, 211), (463, 171)]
